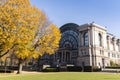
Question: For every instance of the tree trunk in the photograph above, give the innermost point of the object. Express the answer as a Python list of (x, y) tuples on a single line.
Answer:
[(20, 66)]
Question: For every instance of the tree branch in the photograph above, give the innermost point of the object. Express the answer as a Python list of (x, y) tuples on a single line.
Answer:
[(7, 51)]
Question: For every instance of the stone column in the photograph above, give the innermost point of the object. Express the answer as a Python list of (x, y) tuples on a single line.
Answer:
[(70, 56), (108, 43), (119, 45), (81, 39), (89, 38), (114, 43), (62, 56), (65, 56)]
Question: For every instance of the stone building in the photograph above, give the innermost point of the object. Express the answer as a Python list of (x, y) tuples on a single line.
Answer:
[(85, 45)]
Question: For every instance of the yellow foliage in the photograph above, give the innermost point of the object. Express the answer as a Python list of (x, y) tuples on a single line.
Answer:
[(23, 53), (36, 54), (49, 43), (19, 24), (3, 58)]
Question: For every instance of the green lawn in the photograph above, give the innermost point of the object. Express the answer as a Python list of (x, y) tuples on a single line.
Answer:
[(62, 76)]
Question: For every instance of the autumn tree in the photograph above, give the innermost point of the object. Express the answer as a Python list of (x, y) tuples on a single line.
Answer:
[(25, 30)]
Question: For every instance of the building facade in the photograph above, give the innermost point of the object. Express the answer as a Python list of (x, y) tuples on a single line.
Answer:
[(85, 45)]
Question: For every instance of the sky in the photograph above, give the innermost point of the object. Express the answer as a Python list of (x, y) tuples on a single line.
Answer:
[(103, 12)]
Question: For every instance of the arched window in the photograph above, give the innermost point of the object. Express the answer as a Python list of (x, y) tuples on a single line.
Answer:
[(100, 39), (86, 39)]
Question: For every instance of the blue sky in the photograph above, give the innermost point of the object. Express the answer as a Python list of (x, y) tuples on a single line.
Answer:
[(103, 12)]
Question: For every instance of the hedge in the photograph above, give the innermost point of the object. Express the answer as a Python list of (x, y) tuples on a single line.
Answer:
[(74, 68), (91, 69), (13, 67), (6, 71), (50, 69), (113, 67), (9, 67)]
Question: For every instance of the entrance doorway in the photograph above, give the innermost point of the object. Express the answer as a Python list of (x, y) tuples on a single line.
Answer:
[(68, 57), (103, 62)]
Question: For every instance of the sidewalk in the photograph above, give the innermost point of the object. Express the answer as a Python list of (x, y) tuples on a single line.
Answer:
[(111, 70)]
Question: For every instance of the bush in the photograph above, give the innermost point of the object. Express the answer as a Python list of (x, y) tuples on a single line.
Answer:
[(6, 71), (74, 68), (9, 67), (113, 67), (2, 67), (113, 64), (95, 68), (50, 69), (13, 67), (91, 68), (88, 68)]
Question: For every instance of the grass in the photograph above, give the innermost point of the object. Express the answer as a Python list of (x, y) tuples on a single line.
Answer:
[(62, 76)]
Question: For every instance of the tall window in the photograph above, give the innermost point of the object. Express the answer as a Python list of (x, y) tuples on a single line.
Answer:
[(108, 42), (100, 39), (86, 39), (118, 42), (113, 44)]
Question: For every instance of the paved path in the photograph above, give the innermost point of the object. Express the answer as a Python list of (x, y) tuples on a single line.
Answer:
[(111, 70)]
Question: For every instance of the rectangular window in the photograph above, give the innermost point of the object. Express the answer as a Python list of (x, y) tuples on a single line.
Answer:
[(108, 54)]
